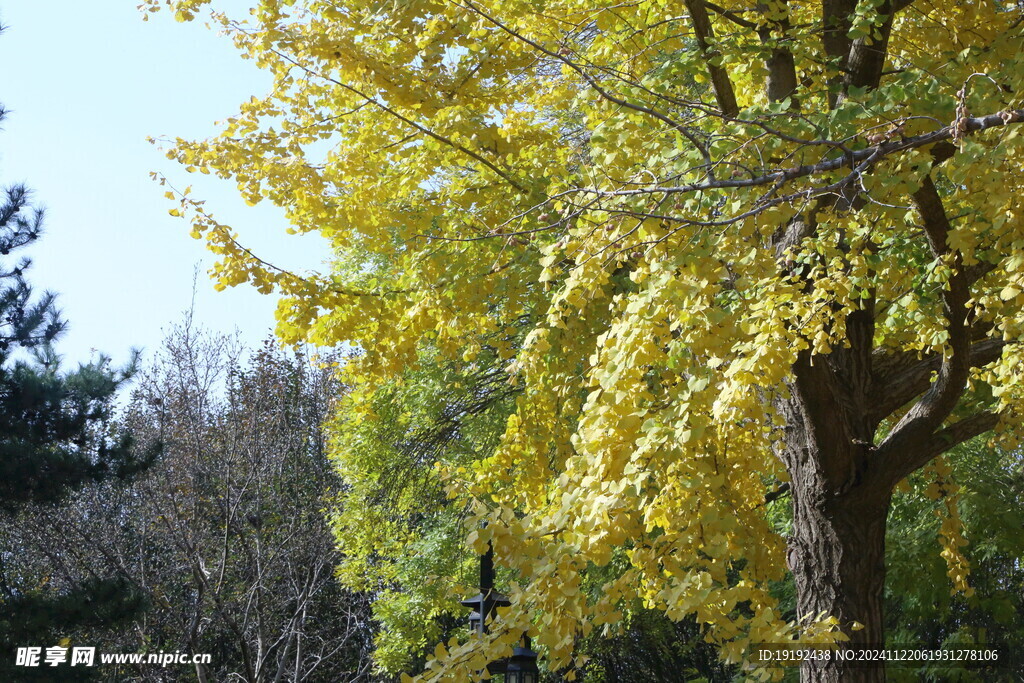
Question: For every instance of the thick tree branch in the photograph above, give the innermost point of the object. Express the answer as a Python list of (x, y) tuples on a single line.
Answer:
[(942, 152), (720, 82), (919, 423), (835, 27), (897, 380), (731, 16), (978, 271), (867, 54), (853, 160), (781, 65), (941, 441), (772, 496)]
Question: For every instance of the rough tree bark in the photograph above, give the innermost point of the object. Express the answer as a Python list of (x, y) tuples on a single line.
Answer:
[(839, 566), (837, 547), (842, 470)]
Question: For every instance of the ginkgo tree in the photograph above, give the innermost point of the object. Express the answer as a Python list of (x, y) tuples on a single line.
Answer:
[(732, 255)]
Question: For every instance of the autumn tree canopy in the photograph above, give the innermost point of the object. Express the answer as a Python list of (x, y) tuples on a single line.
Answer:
[(731, 255)]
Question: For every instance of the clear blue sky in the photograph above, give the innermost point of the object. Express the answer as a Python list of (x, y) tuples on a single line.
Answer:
[(85, 83)]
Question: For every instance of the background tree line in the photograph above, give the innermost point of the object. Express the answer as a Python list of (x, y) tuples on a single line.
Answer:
[(223, 539)]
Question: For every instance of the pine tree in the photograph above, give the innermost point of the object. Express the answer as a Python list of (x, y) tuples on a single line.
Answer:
[(54, 426), (56, 435)]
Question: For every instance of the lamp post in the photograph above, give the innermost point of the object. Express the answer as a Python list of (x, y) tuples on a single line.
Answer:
[(521, 667), (488, 600)]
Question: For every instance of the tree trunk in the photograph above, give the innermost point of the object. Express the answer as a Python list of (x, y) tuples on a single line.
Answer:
[(840, 501), (837, 556)]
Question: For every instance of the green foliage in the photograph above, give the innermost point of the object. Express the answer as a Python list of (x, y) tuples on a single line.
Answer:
[(401, 538), (923, 607), (35, 620), (56, 434), (654, 648)]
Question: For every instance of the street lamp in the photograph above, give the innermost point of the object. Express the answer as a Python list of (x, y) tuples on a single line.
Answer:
[(521, 667)]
